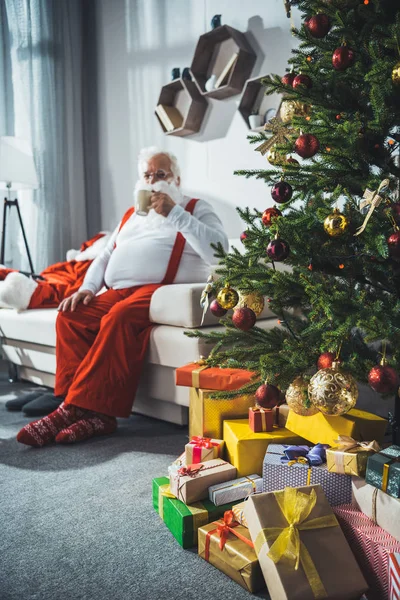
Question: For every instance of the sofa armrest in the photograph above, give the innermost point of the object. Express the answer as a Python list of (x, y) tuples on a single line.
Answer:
[(179, 305)]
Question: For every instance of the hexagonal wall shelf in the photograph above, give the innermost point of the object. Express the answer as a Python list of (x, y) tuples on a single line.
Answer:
[(213, 54), (254, 101), (183, 95)]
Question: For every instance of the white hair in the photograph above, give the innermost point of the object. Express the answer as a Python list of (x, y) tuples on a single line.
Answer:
[(147, 154)]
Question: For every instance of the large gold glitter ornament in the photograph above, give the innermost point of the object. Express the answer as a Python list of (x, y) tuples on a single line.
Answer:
[(396, 74), (336, 223), (293, 108), (297, 398), (227, 297), (254, 300), (332, 391)]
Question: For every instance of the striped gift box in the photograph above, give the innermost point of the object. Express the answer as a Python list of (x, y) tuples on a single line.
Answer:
[(372, 547), (394, 576)]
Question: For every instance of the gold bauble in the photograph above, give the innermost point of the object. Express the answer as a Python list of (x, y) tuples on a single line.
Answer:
[(227, 297), (274, 158), (293, 108), (332, 391), (336, 224), (254, 300), (396, 74), (297, 398)]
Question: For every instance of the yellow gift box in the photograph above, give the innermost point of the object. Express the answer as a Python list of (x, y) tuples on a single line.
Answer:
[(206, 414), (246, 449), (320, 428), (350, 457)]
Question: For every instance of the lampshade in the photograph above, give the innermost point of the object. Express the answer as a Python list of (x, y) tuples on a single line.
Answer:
[(16, 164)]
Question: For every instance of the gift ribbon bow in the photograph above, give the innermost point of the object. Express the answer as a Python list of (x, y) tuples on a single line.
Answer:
[(199, 443), (313, 456), (296, 508), (190, 470), (346, 443), (280, 134), (372, 199), (224, 527)]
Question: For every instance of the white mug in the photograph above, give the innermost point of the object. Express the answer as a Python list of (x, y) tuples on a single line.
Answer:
[(143, 202)]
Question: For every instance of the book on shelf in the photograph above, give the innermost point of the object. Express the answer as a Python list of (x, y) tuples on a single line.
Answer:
[(169, 116), (223, 77)]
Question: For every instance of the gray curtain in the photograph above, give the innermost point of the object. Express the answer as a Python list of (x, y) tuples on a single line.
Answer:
[(41, 58)]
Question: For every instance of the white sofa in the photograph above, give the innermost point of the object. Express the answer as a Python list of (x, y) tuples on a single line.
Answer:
[(28, 343)]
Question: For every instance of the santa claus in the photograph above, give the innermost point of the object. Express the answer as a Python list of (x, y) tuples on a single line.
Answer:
[(103, 329)]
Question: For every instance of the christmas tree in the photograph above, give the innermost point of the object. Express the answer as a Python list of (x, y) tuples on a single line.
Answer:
[(327, 257)]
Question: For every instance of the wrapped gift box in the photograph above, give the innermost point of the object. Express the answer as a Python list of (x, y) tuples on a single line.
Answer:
[(371, 546), (198, 375), (190, 484), (227, 546), (394, 576), (201, 449), (207, 414), (278, 475), (261, 419), (300, 509), (357, 424), (246, 449), (383, 471), (234, 490), (238, 513), (183, 520), (349, 456), (384, 510), (281, 413)]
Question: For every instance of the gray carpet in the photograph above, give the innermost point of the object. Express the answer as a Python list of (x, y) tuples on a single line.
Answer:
[(77, 521)]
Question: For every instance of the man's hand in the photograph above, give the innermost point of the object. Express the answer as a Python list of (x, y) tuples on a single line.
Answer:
[(71, 303), (162, 203)]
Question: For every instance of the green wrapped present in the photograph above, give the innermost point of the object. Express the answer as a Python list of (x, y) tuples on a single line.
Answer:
[(383, 471), (183, 520)]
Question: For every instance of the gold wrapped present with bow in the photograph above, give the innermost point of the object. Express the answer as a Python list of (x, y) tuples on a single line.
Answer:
[(349, 456), (301, 548)]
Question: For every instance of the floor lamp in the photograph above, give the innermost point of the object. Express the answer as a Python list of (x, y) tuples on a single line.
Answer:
[(17, 172)]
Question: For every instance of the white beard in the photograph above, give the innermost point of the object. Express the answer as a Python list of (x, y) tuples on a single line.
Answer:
[(153, 219)]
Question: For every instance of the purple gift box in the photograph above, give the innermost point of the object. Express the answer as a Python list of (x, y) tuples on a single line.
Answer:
[(296, 466)]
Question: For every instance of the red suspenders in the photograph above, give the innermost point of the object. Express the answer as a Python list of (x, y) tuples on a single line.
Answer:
[(178, 248)]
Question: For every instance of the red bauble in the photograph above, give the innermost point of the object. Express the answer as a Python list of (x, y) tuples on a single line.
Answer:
[(383, 379), (343, 58), (393, 243), (325, 360), (243, 236), (396, 211), (269, 214), (267, 396), (278, 249), (318, 25), (217, 309), (244, 318), (306, 145), (288, 78), (302, 80), (292, 161), (281, 192)]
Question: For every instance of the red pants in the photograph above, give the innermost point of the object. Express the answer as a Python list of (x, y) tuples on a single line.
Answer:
[(100, 350)]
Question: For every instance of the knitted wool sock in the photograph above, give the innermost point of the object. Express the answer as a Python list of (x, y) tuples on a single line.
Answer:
[(90, 426), (42, 432)]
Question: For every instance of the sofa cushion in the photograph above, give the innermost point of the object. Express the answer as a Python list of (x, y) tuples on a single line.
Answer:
[(168, 344)]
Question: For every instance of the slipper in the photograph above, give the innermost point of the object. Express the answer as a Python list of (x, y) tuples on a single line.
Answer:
[(21, 401), (43, 405)]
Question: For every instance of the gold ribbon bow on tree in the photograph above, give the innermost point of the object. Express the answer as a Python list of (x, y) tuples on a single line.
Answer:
[(372, 199), (296, 507), (280, 134), (346, 443)]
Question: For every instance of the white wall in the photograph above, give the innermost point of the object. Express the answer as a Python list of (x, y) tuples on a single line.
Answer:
[(139, 42)]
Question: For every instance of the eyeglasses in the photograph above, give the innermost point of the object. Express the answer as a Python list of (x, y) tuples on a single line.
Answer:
[(160, 174)]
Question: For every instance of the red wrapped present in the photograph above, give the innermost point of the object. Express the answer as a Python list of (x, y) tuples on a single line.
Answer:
[(199, 375), (372, 547), (261, 419), (394, 576), (201, 449)]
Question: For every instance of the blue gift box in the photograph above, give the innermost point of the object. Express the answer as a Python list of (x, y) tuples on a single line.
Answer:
[(291, 466)]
